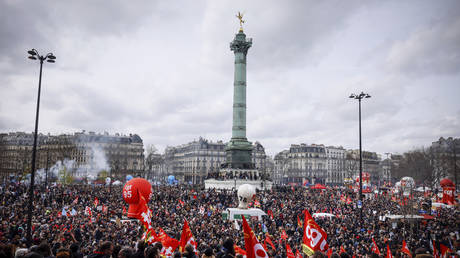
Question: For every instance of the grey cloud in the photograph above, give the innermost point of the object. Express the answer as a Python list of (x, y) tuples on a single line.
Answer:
[(434, 49)]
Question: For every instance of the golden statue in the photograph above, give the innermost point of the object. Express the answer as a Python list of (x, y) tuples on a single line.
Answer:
[(240, 17)]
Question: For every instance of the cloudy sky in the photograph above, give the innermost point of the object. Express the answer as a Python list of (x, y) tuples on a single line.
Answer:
[(164, 70)]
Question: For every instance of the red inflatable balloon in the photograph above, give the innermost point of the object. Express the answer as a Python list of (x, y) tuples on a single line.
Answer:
[(132, 191)]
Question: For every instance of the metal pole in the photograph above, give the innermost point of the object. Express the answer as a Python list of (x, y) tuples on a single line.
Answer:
[(360, 166), (34, 150), (47, 164)]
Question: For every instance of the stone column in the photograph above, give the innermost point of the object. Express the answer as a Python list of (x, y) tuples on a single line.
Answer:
[(239, 149)]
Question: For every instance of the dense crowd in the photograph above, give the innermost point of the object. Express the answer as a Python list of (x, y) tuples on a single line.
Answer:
[(62, 226)]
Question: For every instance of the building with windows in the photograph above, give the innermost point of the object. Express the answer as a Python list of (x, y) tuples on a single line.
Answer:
[(371, 165), (335, 157), (197, 160), (301, 162), (90, 153)]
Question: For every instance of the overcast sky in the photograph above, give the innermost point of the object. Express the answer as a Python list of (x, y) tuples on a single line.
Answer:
[(164, 70)]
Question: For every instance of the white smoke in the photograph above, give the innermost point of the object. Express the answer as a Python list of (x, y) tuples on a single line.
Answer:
[(99, 159)]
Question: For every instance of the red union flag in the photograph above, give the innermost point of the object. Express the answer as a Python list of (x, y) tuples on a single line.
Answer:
[(253, 248), (186, 237), (314, 237)]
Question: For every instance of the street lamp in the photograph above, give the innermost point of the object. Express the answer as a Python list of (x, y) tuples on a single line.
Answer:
[(50, 58), (359, 97)]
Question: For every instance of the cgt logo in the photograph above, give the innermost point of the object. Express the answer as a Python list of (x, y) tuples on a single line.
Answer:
[(315, 236), (448, 192)]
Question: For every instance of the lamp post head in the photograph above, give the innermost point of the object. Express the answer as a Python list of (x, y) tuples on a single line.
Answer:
[(352, 96), (32, 57)]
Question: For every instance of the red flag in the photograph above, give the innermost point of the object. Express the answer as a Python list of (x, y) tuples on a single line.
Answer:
[(186, 238), (375, 248), (444, 250), (314, 237), (342, 250), (435, 252), (329, 253), (169, 244), (150, 236), (284, 236), (59, 214), (145, 216), (289, 252), (348, 200), (389, 255), (269, 241), (124, 211), (253, 248), (181, 202), (239, 250), (404, 249), (96, 202), (297, 254)]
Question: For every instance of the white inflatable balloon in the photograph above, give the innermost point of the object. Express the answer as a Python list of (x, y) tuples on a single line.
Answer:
[(245, 194)]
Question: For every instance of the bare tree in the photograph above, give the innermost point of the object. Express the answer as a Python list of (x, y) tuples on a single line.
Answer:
[(418, 165)]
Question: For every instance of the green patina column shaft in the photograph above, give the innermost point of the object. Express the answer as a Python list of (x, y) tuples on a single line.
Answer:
[(239, 149)]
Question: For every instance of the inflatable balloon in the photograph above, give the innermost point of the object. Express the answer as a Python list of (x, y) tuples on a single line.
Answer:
[(245, 194), (129, 177), (448, 191), (171, 179), (132, 192)]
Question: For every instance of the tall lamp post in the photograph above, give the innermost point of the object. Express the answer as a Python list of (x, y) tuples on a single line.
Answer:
[(359, 97), (50, 58)]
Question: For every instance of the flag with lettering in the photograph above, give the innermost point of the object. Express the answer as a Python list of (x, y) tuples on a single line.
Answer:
[(314, 237), (253, 248)]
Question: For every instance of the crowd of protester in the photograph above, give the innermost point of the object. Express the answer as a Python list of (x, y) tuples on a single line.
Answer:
[(63, 227)]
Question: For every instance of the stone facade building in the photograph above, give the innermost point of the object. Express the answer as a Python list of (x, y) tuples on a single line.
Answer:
[(335, 165), (90, 153), (371, 165), (199, 159), (301, 162)]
